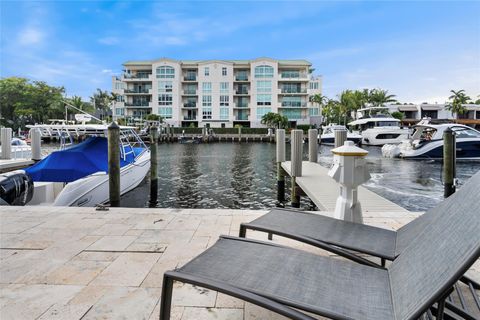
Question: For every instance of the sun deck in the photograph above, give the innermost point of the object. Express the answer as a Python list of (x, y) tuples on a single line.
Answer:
[(74, 263)]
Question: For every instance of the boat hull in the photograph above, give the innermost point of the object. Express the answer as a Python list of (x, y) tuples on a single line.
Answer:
[(94, 189), (382, 136), (331, 140), (467, 149)]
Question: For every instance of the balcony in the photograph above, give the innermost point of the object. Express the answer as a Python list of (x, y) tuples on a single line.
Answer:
[(241, 78), (241, 92), (241, 106), (293, 91), (293, 105), (242, 117), (137, 91), (138, 104), (137, 77), (187, 118), (190, 78), (190, 105), (189, 92), (288, 76)]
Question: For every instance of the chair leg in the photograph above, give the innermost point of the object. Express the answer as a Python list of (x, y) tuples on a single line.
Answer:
[(243, 231), (383, 262), (441, 309), (270, 236), (166, 299)]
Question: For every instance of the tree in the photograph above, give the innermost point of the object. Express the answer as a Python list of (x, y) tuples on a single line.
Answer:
[(102, 100), (379, 97), (331, 111), (459, 98), (274, 120), (398, 115), (78, 103), (154, 117), (23, 101)]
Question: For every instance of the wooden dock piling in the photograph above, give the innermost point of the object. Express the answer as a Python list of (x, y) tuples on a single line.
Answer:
[(312, 145), (340, 137), (153, 167), (449, 159), (280, 138), (114, 164), (296, 158)]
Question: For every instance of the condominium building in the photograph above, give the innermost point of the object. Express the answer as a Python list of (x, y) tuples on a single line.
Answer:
[(217, 93)]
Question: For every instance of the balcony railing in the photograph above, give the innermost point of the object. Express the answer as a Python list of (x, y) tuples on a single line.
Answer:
[(190, 78), (241, 105), (241, 78), (293, 75), (137, 91), (241, 117), (294, 105), (137, 104), (190, 92), (290, 90), (137, 76), (187, 118), (241, 91), (190, 105)]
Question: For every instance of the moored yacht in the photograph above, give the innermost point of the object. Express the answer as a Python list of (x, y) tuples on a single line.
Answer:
[(427, 142), (328, 134), (77, 175), (379, 129)]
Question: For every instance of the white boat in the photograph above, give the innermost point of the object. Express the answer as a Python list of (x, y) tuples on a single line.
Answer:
[(427, 142), (20, 149), (328, 134), (379, 129), (77, 175)]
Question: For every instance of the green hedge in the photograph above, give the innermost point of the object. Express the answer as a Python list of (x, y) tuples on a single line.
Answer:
[(189, 130), (304, 127)]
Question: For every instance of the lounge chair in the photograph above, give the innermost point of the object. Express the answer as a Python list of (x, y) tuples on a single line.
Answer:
[(293, 282), (341, 237)]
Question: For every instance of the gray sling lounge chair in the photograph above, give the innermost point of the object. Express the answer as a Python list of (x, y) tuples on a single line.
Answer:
[(293, 282), (337, 235)]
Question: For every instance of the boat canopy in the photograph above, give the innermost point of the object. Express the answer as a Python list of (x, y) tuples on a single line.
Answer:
[(78, 161)]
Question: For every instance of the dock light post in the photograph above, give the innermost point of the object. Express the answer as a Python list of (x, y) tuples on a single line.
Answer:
[(296, 162), (349, 169), (6, 138), (114, 164), (312, 145), (153, 167), (449, 159), (280, 138)]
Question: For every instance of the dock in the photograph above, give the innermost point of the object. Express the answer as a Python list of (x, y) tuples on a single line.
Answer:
[(323, 190), (13, 164), (80, 263)]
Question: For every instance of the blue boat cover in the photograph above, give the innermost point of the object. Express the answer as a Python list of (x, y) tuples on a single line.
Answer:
[(77, 162)]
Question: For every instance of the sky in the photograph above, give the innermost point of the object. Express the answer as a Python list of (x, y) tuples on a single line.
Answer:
[(417, 50)]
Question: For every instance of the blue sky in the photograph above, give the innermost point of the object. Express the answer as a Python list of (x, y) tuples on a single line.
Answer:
[(416, 50)]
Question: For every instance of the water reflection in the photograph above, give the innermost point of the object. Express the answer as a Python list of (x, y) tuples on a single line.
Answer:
[(230, 175)]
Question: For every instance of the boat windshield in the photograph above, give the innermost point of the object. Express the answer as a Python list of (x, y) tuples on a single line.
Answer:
[(387, 124), (462, 132)]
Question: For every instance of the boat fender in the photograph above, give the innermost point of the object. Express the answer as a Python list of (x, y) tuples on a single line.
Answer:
[(16, 188)]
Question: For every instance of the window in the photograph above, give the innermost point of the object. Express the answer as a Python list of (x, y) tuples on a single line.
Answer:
[(120, 111), (291, 74), (264, 86), (224, 101), (224, 71), (119, 85), (292, 88), (165, 86), (292, 114), (264, 99), (263, 72), (262, 111), (462, 132), (313, 111), (292, 102), (165, 72), (207, 113), (207, 71), (165, 99), (207, 87), (165, 112), (120, 99), (223, 87), (207, 101), (224, 114), (314, 85)]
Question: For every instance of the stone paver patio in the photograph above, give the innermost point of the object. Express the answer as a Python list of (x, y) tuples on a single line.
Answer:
[(79, 263)]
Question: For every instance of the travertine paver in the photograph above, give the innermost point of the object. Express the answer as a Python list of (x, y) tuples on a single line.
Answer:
[(72, 263)]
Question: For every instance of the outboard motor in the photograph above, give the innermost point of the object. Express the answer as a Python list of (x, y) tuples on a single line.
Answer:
[(16, 188)]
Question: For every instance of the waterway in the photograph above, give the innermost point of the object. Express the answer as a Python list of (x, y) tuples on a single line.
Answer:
[(236, 176)]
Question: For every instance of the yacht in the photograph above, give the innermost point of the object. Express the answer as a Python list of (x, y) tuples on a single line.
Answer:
[(77, 175), (328, 134), (427, 142), (20, 149), (379, 129)]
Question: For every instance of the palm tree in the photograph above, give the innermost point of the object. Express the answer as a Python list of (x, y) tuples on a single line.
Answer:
[(459, 98), (274, 120), (379, 97)]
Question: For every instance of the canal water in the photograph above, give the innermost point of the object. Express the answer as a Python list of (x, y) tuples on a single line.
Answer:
[(243, 176)]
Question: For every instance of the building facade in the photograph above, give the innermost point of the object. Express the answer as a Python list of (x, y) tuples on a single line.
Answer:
[(217, 93), (413, 113)]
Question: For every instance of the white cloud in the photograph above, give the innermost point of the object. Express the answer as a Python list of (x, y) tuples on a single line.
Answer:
[(31, 36), (107, 71)]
